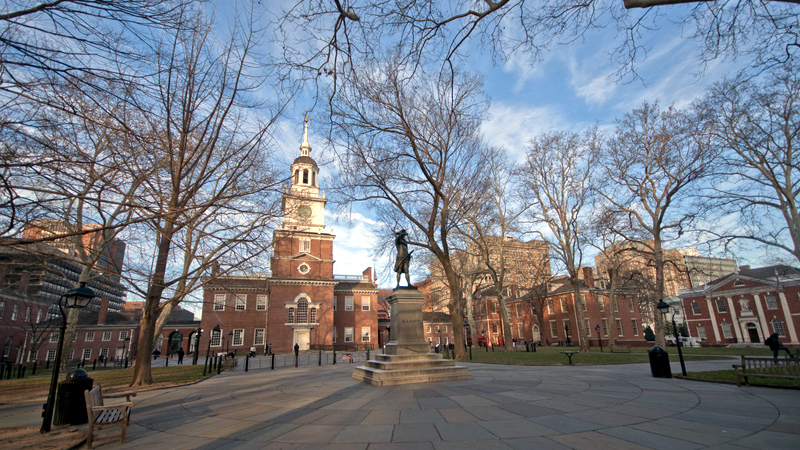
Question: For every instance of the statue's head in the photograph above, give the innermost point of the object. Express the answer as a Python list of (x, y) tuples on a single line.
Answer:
[(402, 232)]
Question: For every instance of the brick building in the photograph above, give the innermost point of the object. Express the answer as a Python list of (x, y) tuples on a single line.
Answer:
[(620, 323), (301, 301), (746, 307)]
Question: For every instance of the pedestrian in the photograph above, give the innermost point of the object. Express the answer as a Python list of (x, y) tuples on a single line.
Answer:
[(180, 355), (296, 349), (775, 345), (270, 348)]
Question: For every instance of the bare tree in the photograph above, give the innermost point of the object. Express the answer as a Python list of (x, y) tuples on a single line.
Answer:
[(649, 167), (756, 126), (214, 189), (490, 229), (557, 176), (335, 37), (410, 147)]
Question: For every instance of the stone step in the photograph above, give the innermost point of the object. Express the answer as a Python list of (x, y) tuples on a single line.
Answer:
[(401, 365), (378, 377), (403, 358)]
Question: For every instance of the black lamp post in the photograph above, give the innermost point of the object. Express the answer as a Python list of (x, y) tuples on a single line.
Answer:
[(468, 340), (230, 338), (599, 341), (78, 297), (196, 355), (208, 350), (664, 307), (125, 344)]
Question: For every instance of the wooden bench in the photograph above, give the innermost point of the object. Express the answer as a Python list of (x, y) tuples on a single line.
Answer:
[(101, 416), (766, 367), (569, 355)]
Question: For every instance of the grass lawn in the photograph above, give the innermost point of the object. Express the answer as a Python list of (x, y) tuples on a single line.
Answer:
[(551, 356), (35, 388), (728, 376)]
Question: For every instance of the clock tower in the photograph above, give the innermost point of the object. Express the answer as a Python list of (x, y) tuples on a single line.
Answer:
[(303, 205), (301, 287)]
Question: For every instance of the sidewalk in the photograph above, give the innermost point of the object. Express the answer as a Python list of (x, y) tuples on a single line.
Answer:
[(503, 407)]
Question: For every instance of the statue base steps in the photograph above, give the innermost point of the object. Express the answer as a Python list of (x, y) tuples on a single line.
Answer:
[(389, 370)]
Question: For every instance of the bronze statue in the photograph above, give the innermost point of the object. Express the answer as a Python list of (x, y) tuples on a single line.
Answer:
[(403, 261)]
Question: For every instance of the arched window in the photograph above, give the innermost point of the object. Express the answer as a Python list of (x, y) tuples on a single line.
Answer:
[(291, 316), (777, 327), (296, 176), (305, 176), (302, 311), (313, 178)]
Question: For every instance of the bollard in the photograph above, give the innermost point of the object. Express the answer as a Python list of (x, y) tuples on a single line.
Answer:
[(126, 362), (33, 371), (166, 361), (94, 364), (219, 366), (47, 364), (295, 359), (492, 347), (534, 347), (247, 363), (23, 371), (2, 370), (320, 357), (272, 367), (105, 362), (367, 353), (334, 357)]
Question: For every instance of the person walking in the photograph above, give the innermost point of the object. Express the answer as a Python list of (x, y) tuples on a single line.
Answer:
[(775, 345), (180, 355)]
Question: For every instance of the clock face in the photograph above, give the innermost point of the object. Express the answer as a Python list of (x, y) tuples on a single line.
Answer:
[(304, 212)]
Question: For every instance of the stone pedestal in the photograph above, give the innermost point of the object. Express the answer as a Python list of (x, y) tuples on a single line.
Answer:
[(406, 334), (407, 358)]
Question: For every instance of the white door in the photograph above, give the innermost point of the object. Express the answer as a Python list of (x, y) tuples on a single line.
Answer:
[(301, 338), (536, 336)]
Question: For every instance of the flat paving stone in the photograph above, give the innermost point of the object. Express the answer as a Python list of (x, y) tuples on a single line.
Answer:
[(502, 407)]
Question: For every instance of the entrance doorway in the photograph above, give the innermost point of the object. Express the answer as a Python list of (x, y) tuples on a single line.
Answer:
[(536, 336), (752, 330), (301, 338), (175, 342)]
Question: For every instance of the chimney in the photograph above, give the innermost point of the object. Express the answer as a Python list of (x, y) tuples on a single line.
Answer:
[(101, 315), (744, 268), (588, 277)]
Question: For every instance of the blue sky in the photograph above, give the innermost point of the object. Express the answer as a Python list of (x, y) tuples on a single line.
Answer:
[(571, 89)]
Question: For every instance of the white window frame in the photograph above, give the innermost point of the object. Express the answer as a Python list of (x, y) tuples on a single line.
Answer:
[(365, 335), (605, 327), (104, 353), (601, 304), (51, 355), (305, 245), (238, 337), (87, 354), (71, 354), (778, 327), (567, 328), (106, 336), (123, 335), (771, 301), (261, 302), (216, 338), (553, 329), (240, 302), (258, 336), (635, 325), (550, 307), (701, 332), (365, 302), (619, 328), (219, 302), (334, 335), (520, 334), (54, 337), (28, 314), (727, 330), (348, 303), (14, 312), (696, 309), (564, 306), (349, 334), (89, 336), (722, 308)]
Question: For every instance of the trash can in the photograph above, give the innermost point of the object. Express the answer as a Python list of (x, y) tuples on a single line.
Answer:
[(70, 403), (659, 362)]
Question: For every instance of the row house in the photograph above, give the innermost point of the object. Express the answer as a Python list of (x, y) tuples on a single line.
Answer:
[(438, 329), (619, 322), (746, 307)]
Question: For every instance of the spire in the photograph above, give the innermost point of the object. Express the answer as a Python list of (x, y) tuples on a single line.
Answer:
[(305, 149)]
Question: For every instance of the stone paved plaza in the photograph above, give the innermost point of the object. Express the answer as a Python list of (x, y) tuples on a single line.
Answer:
[(502, 407)]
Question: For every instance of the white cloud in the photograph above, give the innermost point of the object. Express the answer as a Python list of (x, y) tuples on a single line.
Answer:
[(513, 126)]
